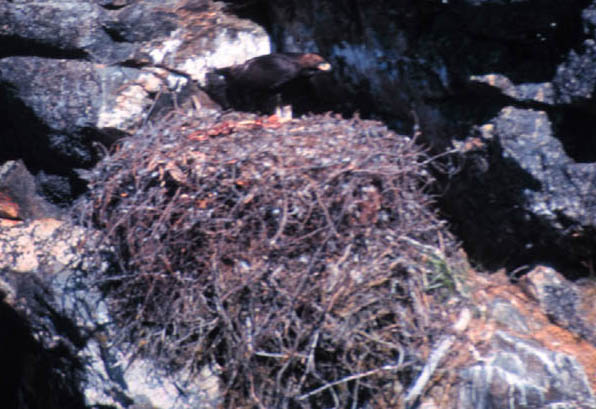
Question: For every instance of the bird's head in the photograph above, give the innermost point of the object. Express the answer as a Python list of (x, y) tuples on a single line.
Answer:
[(313, 63)]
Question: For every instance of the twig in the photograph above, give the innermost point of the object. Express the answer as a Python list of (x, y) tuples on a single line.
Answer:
[(352, 378), (435, 357), (283, 221), (277, 355), (430, 367), (326, 212), (310, 366)]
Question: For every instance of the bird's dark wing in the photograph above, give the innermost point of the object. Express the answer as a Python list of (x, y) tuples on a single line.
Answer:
[(267, 72)]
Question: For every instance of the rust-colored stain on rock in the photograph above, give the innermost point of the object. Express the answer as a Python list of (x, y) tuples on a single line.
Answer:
[(9, 209), (488, 288)]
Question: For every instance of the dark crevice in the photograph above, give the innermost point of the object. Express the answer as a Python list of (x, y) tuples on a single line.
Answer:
[(14, 343), (572, 124), (112, 7), (574, 127), (18, 46), (115, 34), (255, 10), (496, 231), (485, 199), (25, 137), (35, 377), (511, 39)]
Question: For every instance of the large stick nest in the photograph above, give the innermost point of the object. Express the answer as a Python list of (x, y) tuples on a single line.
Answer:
[(292, 256)]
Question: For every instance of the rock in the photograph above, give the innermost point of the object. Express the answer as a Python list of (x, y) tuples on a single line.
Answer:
[(521, 374), (72, 104), (562, 301), (43, 364), (60, 348), (138, 24), (59, 29), (542, 92), (73, 74), (37, 246), (19, 189), (8, 208), (509, 316), (521, 175), (524, 348), (575, 78)]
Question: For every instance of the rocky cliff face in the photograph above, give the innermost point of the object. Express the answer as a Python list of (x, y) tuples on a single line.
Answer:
[(508, 85), (72, 77), (502, 91)]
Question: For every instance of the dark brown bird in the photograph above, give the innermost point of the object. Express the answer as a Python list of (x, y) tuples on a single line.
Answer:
[(261, 82)]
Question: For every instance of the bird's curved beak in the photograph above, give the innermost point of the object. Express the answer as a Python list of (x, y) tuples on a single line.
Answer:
[(324, 66)]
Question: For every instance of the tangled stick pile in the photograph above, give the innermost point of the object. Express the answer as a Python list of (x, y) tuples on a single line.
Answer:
[(294, 257)]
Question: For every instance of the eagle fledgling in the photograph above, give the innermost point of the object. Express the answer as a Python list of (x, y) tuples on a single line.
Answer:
[(261, 83)]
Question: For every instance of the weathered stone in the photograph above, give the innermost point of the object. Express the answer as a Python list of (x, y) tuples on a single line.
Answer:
[(514, 356), (523, 177), (43, 245), (138, 24), (67, 29), (45, 289), (509, 316), (8, 208), (560, 300), (521, 374), (44, 366), (576, 78), (71, 73), (527, 92), (19, 185)]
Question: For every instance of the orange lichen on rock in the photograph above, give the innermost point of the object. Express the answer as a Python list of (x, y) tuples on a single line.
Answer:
[(489, 289), (561, 340), (9, 209)]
